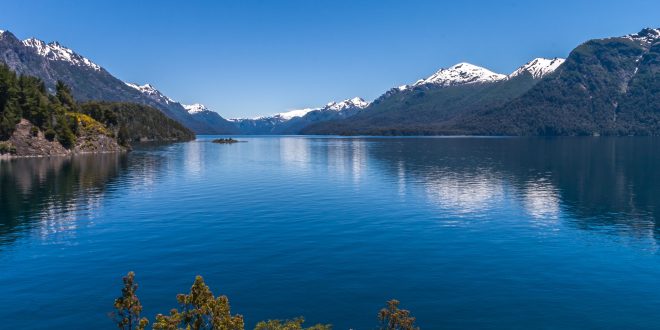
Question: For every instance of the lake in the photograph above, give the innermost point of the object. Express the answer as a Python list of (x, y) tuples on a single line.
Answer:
[(465, 232)]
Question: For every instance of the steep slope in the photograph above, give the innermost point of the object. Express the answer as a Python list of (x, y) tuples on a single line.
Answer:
[(36, 123), (202, 122), (429, 106), (606, 86), (293, 122), (88, 81), (132, 122)]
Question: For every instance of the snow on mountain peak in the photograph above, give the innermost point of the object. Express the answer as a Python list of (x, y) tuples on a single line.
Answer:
[(195, 108), (356, 102), (461, 74), (152, 92), (295, 113), (538, 67), (55, 52), (647, 35)]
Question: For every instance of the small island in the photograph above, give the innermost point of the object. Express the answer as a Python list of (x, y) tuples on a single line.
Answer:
[(226, 141)]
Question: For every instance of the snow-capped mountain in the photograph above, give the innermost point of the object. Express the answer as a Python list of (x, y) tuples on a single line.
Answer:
[(355, 103), (538, 67), (204, 120), (461, 74), (195, 108), (291, 122), (55, 52), (645, 36), (284, 116), (466, 73), (89, 81), (151, 92)]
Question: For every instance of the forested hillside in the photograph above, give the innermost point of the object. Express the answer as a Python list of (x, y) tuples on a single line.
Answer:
[(605, 87), (425, 109), (136, 122), (35, 122)]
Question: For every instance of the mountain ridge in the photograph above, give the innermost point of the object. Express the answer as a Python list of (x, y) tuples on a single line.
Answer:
[(91, 82)]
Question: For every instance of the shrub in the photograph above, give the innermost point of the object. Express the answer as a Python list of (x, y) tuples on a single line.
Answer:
[(50, 134), (7, 148)]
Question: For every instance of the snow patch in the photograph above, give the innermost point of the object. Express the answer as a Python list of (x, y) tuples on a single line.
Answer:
[(646, 36), (539, 67), (461, 74), (195, 108), (55, 52), (295, 113), (356, 102), (151, 92)]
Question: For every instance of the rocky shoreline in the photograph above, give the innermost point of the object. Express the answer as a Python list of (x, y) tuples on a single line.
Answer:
[(28, 141)]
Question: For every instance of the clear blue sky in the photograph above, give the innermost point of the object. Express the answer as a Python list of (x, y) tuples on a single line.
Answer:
[(244, 58)]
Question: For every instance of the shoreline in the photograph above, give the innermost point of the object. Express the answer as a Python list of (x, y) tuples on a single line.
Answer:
[(6, 157)]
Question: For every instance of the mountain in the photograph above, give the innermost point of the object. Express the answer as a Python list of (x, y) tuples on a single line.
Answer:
[(294, 121), (216, 124), (204, 121), (538, 68), (431, 105), (36, 122), (461, 74), (136, 122), (89, 81), (605, 87)]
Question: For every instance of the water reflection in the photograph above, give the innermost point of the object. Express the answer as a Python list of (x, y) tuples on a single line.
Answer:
[(541, 200), (52, 193), (609, 184)]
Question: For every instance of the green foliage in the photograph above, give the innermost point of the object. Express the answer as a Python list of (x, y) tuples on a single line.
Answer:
[(424, 110), (168, 322), (200, 310), (131, 122), (7, 148), (59, 115), (393, 318), (128, 306), (26, 97), (605, 87), (64, 97), (10, 111), (295, 324), (50, 134)]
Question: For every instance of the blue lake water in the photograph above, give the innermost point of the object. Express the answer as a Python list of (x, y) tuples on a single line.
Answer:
[(465, 232)]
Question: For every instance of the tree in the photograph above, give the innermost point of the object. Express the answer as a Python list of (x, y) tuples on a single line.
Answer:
[(295, 324), (168, 322), (10, 111), (64, 97), (393, 318), (200, 310), (128, 306)]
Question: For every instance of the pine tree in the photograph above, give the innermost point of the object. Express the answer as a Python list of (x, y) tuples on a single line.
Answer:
[(10, 112), (128, 306)]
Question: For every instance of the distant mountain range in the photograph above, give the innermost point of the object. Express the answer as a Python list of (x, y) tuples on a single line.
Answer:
[(293, 122), (605, 87), (88, 81)]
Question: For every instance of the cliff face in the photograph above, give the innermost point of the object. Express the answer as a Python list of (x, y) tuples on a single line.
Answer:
[(28, 141)]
